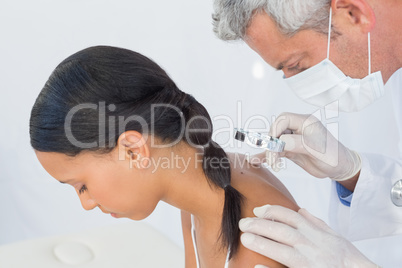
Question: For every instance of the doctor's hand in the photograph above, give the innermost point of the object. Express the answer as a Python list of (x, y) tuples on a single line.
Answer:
[(298, 239), (311, 146)]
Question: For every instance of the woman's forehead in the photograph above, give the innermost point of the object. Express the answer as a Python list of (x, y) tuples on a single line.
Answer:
[(58, 165)]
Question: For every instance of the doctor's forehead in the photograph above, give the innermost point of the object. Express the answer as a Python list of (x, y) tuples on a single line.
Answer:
[(263, 29), (278, 49)]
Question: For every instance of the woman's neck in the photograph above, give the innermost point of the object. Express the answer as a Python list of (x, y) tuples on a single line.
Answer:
[(187, 187)]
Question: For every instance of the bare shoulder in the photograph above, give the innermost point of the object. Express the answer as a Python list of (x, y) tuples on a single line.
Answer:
[(259, 187)]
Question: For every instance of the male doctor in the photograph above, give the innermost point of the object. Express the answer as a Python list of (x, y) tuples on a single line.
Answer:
[(334, 54)]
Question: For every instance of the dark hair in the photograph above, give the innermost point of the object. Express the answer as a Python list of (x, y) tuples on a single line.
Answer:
[(128, 84)]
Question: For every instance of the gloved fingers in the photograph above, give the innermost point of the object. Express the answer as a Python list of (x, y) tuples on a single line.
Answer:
[(280, 214), (297, 145), (268, 248), (277, 165), (316, 222), (287, 122), (293, 145), (267, 159), (273, 159), (275, 231), (270, 157)]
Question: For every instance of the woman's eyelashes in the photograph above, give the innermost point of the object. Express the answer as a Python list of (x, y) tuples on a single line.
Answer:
[(83, 189)]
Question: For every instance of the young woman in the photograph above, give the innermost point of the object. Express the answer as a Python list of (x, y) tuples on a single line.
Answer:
[(111, 123)]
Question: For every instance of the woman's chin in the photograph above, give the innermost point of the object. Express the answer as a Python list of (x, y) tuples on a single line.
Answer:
[(138, 217), (115, 215)]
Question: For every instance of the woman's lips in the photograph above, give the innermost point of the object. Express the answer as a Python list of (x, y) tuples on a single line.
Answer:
[(114, 215)]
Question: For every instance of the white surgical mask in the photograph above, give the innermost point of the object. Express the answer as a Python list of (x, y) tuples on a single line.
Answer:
[(325, 83)]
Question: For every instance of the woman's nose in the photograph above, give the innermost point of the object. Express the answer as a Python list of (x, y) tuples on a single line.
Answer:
[(86, 201)]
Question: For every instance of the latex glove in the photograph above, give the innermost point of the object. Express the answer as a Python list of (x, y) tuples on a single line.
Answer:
[(311, 146), (298, 239)]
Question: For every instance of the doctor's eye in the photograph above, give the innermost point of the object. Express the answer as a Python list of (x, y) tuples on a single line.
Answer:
[(294, 68), (83, 189)]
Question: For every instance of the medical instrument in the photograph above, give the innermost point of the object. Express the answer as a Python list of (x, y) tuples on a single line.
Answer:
[(259, 140), (314, 148)]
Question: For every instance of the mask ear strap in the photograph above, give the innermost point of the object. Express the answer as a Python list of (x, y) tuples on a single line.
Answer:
[(329, 30), (369, 54)]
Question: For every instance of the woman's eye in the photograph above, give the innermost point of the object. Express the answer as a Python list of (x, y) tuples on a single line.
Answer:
[(83, 189)]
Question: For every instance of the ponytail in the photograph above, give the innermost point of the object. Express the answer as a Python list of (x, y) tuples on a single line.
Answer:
[(216, 166)]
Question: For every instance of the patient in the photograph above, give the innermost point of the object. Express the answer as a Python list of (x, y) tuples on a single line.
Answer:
[(111, 123)]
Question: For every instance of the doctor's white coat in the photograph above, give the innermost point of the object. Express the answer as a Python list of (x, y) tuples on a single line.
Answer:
[(373, 221)]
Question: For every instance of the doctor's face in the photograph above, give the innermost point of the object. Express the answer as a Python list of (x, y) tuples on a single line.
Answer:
[(106, 182), (305, 49)]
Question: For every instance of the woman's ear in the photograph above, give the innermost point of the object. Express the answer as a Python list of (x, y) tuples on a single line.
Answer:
[(355, 13), (132, 146)]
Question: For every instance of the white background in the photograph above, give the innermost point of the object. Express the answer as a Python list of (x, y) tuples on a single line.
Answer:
[(177, 34)]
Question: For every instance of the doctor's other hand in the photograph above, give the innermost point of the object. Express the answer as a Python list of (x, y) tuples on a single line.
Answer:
[(311, 146), (298, 239)]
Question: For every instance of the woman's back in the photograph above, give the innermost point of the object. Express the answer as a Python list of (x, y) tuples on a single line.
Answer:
[(259, 187)]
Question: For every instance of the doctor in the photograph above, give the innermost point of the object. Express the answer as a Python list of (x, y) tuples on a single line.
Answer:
[(335, 53)]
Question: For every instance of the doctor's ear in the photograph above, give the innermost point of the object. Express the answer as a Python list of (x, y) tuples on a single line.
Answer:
[(132, 146), (356, 13)]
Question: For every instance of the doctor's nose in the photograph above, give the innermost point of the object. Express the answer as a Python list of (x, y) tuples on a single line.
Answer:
[(289, 73), (87, 202)]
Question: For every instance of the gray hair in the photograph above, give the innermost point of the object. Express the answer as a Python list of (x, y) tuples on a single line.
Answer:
[(232, 17)]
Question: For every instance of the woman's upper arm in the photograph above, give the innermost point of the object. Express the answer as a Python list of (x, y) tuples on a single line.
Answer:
[(248, 258), (254, 198), (190, 260)]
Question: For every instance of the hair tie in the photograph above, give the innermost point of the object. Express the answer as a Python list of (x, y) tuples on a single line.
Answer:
[(206, 145)]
